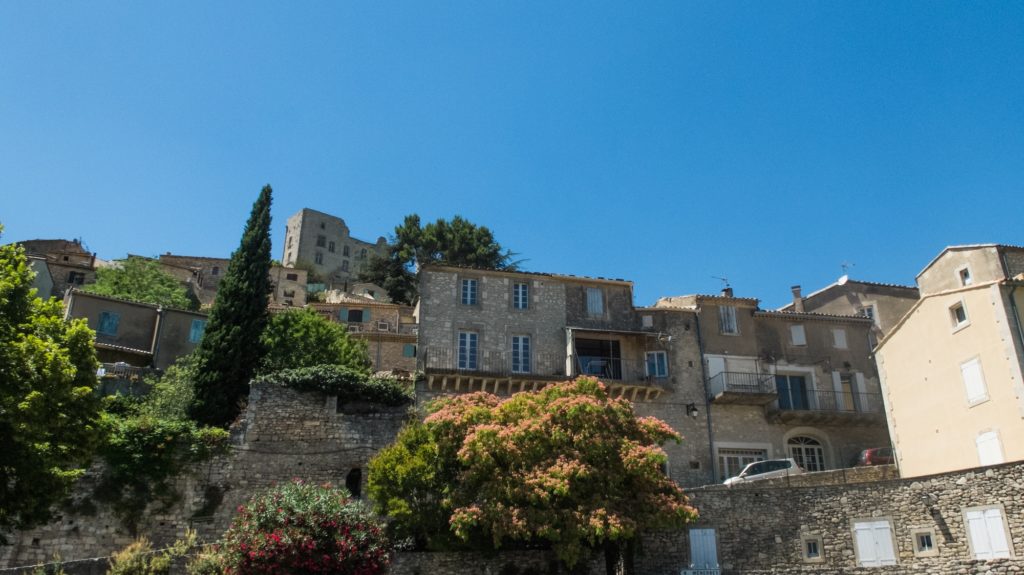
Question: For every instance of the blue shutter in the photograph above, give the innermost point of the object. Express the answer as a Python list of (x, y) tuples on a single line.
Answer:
[(343, 314), (366, 315)]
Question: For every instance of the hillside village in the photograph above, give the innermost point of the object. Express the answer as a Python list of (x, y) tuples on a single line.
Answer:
[(928, 379)]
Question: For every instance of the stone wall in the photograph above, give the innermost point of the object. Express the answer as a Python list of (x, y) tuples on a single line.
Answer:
[(760, 527)]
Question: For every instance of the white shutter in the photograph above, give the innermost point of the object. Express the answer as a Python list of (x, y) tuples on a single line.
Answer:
[(703, 550), (985, 527), (798, 334), (996, 534), (974, 381), (837, 386), (839, 337), (874, 543), (716, 365), (990, 449)]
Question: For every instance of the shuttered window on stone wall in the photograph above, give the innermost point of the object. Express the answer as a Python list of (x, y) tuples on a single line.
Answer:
[(727, 320), (874, 545), (987, 533)]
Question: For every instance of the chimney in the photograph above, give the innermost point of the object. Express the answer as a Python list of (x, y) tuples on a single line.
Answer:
[(727, 291), (798, 300)]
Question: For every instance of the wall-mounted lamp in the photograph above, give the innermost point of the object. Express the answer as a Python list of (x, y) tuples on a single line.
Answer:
[(691, 410)]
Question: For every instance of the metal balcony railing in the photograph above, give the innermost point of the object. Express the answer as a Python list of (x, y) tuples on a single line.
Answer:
[(619, 370), (124, 371), (829, 401), (740, 382), (492, 363)]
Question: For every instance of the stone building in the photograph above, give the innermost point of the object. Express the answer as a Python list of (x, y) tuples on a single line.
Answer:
[(952, 367), (322, 243), (503, 332), (202, 275), (784, 384), (884, 303), (388, 329), (42, 281), (140, 335), (69, 264)]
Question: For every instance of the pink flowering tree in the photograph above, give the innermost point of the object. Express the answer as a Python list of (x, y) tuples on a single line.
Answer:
[(567, 465), (301, 528)]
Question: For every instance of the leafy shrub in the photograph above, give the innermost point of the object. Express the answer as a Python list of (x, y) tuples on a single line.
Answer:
[(347, 384), (138, 558), (304, 338), (301, 529)]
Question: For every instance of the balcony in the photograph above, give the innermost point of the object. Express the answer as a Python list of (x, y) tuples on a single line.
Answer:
[(731, 387), (491, 371), (827, 407), (617, 372)]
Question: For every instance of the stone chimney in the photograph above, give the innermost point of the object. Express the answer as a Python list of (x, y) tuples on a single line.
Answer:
[(727, 291), (798, 300)]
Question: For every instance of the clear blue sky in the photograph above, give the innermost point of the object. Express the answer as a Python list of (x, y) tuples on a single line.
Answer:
[(666, 143)]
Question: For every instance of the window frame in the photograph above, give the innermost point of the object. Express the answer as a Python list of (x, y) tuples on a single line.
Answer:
[(857, 551), (321, 241), (959, 324), (467, 350), (839, 337), (932, 550), (521, 295), (192, 330), (990, 436), (521, 354), (794, 330), (103, 324), (469, 291), (964, 276), (984, 395), (594, 295), (728, 320), (819, 543), (661, 369), (1007, 536), (318, 258)]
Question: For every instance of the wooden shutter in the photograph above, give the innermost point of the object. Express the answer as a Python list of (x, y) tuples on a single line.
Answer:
[(703, 550), (990, 451), (988, 537), (874, 543), (974, 381)]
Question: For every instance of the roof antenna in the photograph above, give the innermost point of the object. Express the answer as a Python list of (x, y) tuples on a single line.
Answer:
[(846, 267), (725, 281)]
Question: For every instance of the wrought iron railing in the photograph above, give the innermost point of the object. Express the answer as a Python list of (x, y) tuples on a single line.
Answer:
[(492, 363), (816, 400), (740, 382), (620, 370), (124, 371)]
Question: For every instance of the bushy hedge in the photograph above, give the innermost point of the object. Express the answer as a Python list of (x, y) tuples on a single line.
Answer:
[(349, 385), (299, 529)]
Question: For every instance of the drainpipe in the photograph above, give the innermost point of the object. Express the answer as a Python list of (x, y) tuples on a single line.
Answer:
[(155, 345), (707, 398)]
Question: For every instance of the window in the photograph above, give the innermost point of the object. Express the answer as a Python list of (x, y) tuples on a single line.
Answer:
[(321, 241), (198, 328), (362, 254), (108, 323), (289, 241), (357, 316), (292, 277), (520, 354), (732, 461), (807, 452), (409, 350), (215, 271), (839, 338), (330, 247), (467, 350), (974, 381), (990, 449), (344, 251), (318, 258), (872, 543), (986, 532), (468, 292), (868, 311), (647, 321), (797, 334), (727, 320), (520, 296), (354, 482), (965, 276), (703, 550), (595, 301), (958, 314), (344, 265), (76, 278), (812, 545), (924, 542), (657, 364), (322, 226)]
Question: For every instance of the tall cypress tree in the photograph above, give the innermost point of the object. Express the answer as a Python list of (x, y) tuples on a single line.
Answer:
[(230, 350)]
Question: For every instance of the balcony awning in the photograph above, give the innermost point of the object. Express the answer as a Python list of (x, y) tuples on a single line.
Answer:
[(618, 331)]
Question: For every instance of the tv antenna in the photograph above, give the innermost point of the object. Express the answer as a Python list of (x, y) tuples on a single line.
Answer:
[(725, 281), (846, 267)]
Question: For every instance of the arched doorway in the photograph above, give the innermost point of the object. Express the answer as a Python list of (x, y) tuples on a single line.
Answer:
[(808, 452)]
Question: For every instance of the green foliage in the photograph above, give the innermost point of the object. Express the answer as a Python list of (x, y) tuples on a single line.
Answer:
[(231, 349), (172, 392), (349, 385), (139, 558), (458, 242), (143, 454), (568, 465), (303, 338), (301, 529), (142, 280), (49, 417)]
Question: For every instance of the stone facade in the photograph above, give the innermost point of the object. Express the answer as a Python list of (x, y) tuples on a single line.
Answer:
[(202, 275), (389, 330), (68, 262), (323, 243), (885, 304)]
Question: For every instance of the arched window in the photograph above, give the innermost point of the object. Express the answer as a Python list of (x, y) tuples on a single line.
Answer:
[(807, 452)]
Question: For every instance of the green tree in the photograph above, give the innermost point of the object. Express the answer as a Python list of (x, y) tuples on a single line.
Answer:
[(456, 242), (304, 338), (141, 279), (232, 347), (567, 465), (49, 417)]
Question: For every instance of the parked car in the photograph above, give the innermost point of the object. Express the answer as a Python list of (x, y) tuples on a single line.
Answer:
[(766, 469), (875, 456)]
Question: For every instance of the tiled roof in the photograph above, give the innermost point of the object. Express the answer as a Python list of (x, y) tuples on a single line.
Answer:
[(115, 347), (521, 272)]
